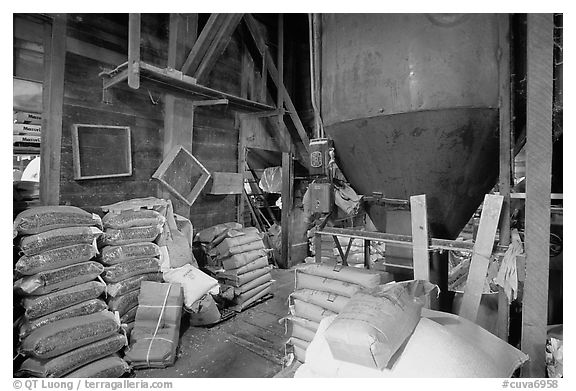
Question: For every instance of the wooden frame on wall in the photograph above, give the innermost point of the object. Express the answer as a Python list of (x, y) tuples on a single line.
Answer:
[(103, 154)]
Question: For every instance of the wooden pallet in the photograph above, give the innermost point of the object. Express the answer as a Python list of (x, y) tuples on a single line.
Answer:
[(227, 313)]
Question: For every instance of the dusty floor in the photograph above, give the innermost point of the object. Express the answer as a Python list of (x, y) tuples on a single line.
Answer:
[(251, 344)]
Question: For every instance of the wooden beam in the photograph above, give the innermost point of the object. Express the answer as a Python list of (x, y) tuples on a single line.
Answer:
[(134, 51), (503, 320), (209, 102), (538, 172), (217, 46), (280, 56), (52, 102), (481, 256), (203, 43), (287, 184), (273, 71), (241, 165), (419, 217), (183, 32)]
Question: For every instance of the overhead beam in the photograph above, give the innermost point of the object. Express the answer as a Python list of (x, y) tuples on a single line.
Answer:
[(203, 43), (217, 46), (52, 102), (540, 44), (273, 71)]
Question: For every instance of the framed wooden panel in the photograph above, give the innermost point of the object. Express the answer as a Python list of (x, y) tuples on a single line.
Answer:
[(182, 174), (101, 151)]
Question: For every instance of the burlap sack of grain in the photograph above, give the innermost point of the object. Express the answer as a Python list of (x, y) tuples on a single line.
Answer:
[(122, 271), (129, 316), (308, 281), (301, 332), (253, 284), (254, 265), (131, 284), (124, 302), (238, 260), (60, 237), (195, 283), (45, 218), (68, 362), (309, 311), (119, 237), (112, 255), (68, 334), (376, 322), (443, 345), (239, 245), (133, 218), (245, 299), (326, 300), (54, 280), (38, 306), (247, 277), (363, 277), (85, 308), (207, 235), (160, 301), (300, 346), (232, 233), (107, 367), (54, 259)]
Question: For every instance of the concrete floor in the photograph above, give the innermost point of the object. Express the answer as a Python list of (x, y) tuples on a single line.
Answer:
[(251, 344)]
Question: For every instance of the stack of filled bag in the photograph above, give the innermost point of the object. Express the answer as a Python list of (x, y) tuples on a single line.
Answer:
[(320, 291), (246, 275), (130, 256), (65, 326)]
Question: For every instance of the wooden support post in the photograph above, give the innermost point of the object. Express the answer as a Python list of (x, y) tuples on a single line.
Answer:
[(318, 248), (273, 71), (264, 80), (419, 216), (52, 106), (217, 46), (280, 94), (202, 43), (178, 114), (241, 166), (287, 179), (367, 254), (538, 186), (134, 51), (481, 256), (503, 321)]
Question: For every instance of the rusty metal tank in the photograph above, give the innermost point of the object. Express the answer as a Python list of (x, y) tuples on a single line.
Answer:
[(411, 102)]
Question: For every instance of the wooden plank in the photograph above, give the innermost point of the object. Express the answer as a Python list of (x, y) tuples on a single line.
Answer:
[(134, 51), (52, 102), (182, 36), (505, 160), (226, 183), (287, 179), (481, 256), (253, 28), (218, 46), (202, 43), (280, 56), (538, 172), (419, 217)]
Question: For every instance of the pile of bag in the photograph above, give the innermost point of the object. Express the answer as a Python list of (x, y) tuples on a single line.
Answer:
[(65, 326), (246, 276), (129, 256), (322, 290), (384, 332), (154, 338)]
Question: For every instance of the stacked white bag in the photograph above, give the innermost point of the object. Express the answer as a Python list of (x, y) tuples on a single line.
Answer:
[(320, 291)]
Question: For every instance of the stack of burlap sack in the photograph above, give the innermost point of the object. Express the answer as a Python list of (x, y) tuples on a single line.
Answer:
[(320, 291), (154, 338), (241, 260), (385, 332), (130, 256), (66, 329)]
